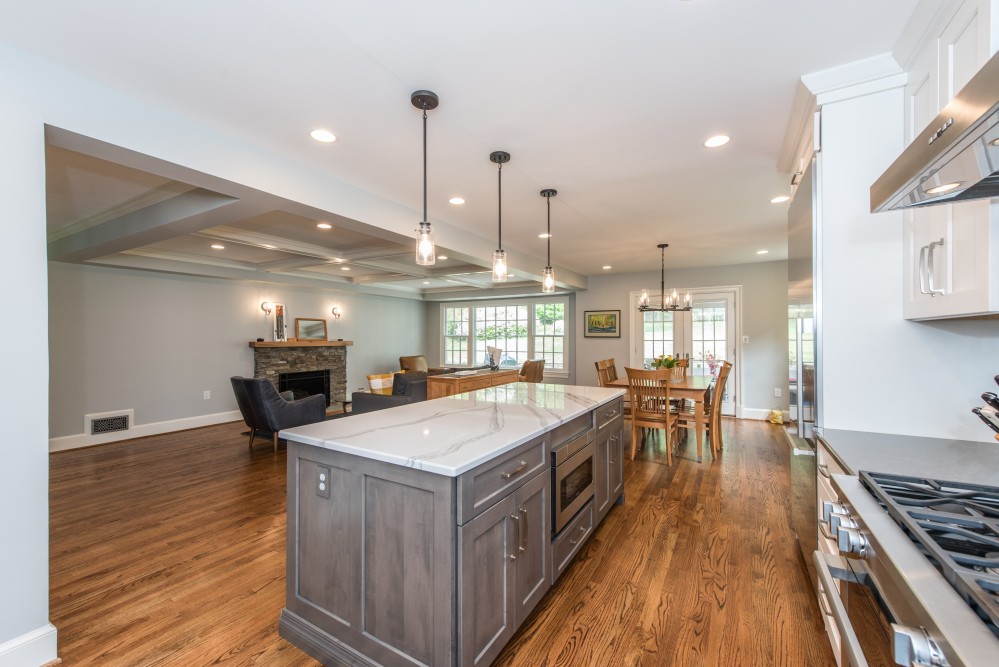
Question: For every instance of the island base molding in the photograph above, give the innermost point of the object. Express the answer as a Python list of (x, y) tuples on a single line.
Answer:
[(322, 646)]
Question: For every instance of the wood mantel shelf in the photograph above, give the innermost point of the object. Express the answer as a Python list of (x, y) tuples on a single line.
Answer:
[(303, 343)]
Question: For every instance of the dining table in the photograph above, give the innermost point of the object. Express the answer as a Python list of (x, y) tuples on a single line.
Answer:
[(696, 388)]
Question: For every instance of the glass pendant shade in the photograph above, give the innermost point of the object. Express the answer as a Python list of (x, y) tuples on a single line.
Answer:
[(499, 266), (548, 281), (643, 301), (425, 254)]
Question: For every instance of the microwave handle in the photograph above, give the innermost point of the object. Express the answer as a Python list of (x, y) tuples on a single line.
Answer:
[(851, 645)]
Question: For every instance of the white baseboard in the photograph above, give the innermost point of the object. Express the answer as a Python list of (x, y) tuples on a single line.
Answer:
[(754, 413), (141, 430), (31, 649)]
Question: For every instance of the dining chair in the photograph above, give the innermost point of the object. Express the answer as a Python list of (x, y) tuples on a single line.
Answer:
[(711, 419), (649, 392), (607, 373), (532, 371)]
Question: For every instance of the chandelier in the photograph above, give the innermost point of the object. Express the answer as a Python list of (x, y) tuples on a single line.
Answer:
[(666, 304)]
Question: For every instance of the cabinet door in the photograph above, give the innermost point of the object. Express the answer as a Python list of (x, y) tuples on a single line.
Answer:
[(963, 47), (532, 532), (615, 464), (601, 474), (487, 567)]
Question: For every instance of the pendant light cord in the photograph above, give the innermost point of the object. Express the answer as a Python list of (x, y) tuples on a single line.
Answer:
[(662, 280), (499, 176), (425, 163), (549, 199)]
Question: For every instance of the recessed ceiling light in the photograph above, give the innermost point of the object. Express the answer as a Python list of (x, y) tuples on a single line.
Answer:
[(946, 187), (994, 142), (606, 266), (325, 136), (441, 257), (218, 246), (779, 199), (716, 141), (544, 236), (762, 252), (345, 268), (426, 282), (457, 201), (269, 247), (324, 225)]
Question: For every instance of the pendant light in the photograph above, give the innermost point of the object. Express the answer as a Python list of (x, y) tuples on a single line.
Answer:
[(499, 257), (548, 279), (425, 254), (672, 304)]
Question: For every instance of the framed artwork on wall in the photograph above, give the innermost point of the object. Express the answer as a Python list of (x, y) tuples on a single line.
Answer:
[(602, 323)]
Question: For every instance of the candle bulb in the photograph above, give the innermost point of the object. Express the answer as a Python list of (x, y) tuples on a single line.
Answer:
[(644, 299)]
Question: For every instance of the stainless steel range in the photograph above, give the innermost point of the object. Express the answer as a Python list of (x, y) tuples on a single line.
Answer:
[(920, 581)]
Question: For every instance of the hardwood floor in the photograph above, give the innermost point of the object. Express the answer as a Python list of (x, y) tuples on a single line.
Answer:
[(169, 550)]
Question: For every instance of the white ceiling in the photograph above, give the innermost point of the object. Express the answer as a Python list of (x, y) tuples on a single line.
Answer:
[(609, 103)]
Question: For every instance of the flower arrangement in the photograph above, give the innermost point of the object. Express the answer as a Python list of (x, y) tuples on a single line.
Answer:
[(663, 361)]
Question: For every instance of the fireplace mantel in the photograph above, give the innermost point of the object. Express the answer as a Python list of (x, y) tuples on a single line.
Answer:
[(302, 343)]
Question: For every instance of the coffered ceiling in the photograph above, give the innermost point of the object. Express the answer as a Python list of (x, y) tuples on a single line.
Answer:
[(609, 103)]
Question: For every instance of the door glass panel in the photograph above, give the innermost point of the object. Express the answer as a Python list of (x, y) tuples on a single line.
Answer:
[(709, 338), (657, 337)]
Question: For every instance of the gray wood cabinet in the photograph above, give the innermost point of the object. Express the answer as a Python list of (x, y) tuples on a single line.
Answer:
[(608, 475), (503, 569), (390, 565)]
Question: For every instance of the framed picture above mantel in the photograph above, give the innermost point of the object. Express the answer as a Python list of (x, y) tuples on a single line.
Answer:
[(602, 323)]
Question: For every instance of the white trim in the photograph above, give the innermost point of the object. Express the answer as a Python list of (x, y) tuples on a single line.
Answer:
[(859, 72), (752, 413), (141, 430), (37, 647)]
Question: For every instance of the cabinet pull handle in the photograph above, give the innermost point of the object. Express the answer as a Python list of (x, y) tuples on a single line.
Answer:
[(520, 468), (582, 531), (824, 470), (825, 533), (922, 270), (517, 519), (824, 603), (929, 268), (524, 533), (613, 438)]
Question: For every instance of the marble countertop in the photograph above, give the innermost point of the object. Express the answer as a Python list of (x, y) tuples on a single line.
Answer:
[(942, 459), (452, 435)]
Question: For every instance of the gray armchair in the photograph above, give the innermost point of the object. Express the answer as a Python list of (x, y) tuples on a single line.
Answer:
[(265, 410), (406, 388)]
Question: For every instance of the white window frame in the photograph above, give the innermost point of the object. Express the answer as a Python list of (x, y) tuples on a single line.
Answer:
[(568, 348)]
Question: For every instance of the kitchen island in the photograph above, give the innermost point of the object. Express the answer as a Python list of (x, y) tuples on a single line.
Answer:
[(424, 534)]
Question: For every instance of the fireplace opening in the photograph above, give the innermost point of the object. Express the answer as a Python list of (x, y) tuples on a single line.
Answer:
[(306, 383)]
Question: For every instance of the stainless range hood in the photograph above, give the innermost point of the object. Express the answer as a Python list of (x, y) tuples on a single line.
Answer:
[(955, 158)]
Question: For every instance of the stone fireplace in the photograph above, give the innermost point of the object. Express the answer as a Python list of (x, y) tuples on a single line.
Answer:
[(270, 360)]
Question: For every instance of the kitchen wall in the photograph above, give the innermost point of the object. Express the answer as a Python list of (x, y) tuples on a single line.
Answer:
[(154, 342), (762, 363)]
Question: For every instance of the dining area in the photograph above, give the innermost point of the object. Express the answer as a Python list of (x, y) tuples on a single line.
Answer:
[(670, 398)]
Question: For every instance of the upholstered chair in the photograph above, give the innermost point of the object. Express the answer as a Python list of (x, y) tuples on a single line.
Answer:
[(265, 410)]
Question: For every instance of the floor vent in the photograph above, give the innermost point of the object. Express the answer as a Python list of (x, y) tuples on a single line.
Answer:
[(108, 422)]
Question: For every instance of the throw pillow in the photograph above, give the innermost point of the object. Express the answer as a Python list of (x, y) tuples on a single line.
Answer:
[(381, 383)]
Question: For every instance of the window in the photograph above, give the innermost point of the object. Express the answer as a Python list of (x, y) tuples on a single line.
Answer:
[(657, 334), (549, 334), (522, 329), (455, 336)]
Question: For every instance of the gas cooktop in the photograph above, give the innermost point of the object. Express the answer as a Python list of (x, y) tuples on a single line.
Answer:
[(953, 524)]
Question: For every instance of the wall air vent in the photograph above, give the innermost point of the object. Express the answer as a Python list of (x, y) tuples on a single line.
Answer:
[(108, 422)]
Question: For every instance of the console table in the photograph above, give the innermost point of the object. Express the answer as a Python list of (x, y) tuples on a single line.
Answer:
[(449, 384)]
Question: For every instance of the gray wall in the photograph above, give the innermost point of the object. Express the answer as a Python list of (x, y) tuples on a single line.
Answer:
[(155, 342), (762, 362)]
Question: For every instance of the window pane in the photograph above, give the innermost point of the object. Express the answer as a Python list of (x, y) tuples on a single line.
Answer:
[(549, 334)]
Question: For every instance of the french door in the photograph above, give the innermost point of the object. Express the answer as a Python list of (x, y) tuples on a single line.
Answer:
[(706, 334)]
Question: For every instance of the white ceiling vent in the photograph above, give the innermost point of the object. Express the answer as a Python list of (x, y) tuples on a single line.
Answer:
[(108, 422)]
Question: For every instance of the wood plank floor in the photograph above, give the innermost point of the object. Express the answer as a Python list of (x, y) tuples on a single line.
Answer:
[(169, 550)]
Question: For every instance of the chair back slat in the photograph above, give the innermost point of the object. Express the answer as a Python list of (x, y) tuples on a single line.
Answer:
[(649, 393), (680, 369)]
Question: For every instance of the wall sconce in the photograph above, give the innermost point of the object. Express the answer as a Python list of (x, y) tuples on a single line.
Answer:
[(267, 307), (336, 312)]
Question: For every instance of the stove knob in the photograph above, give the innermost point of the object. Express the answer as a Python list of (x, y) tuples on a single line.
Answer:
[(828, 507), (837, 521), (852, 541), (913, 646)]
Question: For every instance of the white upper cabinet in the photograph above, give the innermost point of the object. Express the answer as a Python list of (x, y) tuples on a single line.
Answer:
[(951, 254)]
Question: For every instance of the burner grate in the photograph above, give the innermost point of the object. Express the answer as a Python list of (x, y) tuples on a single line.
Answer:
[(956, 525)]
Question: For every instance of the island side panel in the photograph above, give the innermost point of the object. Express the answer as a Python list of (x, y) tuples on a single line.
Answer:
[(371, 568)]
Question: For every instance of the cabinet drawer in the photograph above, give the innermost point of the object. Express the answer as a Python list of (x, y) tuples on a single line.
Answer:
[(607, 413), (568, 544), (481, 487)]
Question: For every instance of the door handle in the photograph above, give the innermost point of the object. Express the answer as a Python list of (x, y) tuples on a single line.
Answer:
[(929, 268), (524, 532), (517, 523), (922, 270)]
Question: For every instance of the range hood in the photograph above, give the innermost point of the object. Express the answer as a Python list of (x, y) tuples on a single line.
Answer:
[(955, 158)]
